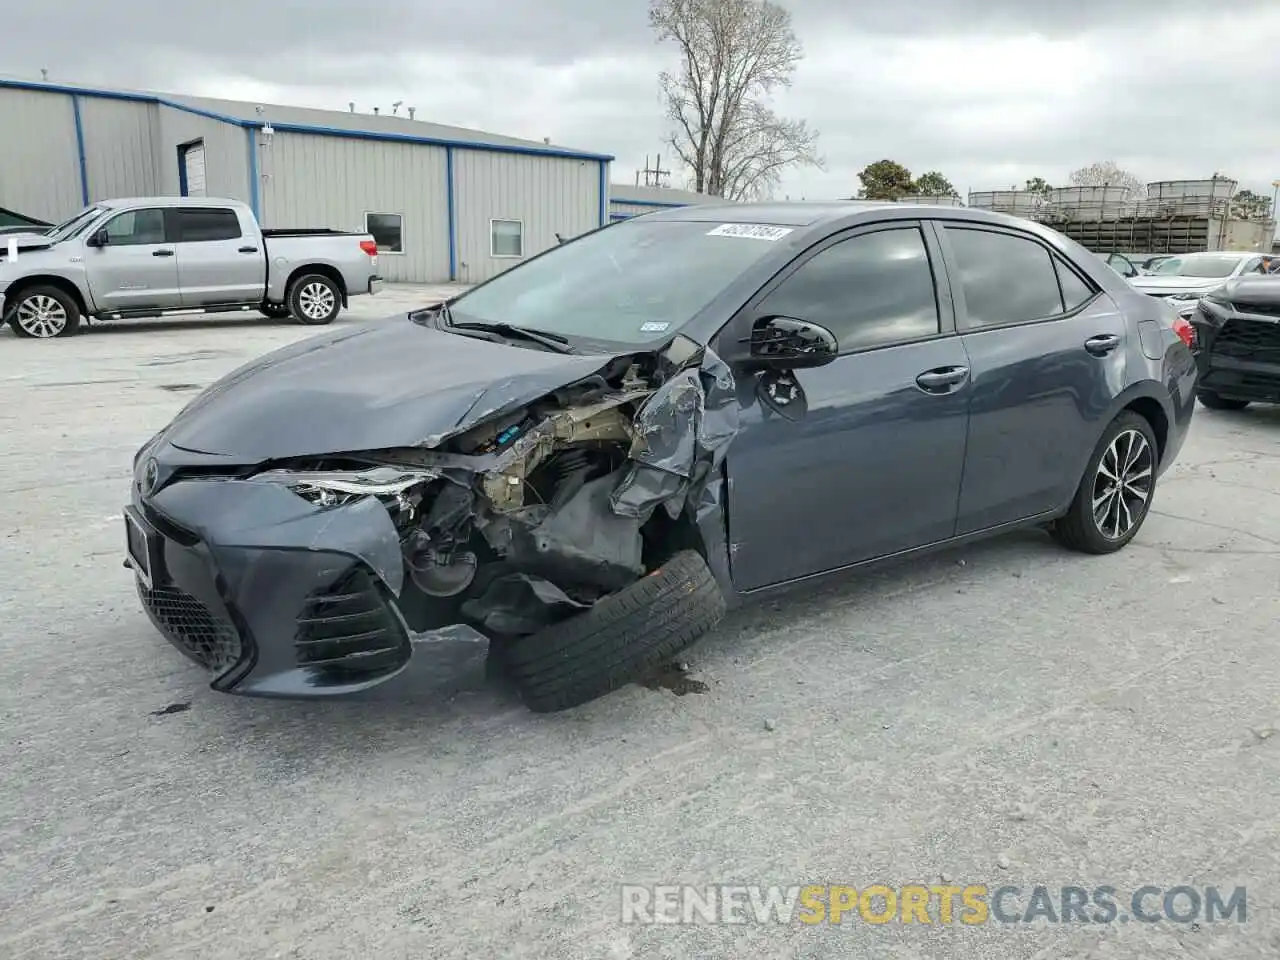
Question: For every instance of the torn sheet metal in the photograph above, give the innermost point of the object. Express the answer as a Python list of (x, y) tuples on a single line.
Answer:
[(519, 603), (682, 432)]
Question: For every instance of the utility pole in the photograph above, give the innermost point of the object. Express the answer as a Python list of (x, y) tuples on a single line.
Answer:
[(654, 176)]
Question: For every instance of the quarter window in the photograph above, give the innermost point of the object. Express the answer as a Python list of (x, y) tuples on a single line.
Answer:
[(206, 224), (1075, 292), (869, 290), (506, 238), (387, 230), (1005, 279), (136, 227)]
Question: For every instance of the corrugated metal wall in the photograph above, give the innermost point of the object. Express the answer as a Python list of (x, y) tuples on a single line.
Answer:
[(118, 137), (226, 153), (323, 181), (39, 157), (549, 195)]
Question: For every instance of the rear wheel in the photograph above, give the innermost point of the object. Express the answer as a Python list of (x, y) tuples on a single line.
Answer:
[(1215, 402), (44, 313), (314, 300), (622, 638), (1115, 493)]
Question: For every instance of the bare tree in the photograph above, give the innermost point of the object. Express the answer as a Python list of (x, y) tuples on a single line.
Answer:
[(734, 54), (1108, 173)]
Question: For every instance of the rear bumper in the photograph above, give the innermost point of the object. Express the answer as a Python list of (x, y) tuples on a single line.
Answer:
[(277, 598)]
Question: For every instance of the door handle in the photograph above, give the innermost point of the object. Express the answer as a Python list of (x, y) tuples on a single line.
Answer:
[(942, 378), (248, 250), (1102, 344), (162, 253)]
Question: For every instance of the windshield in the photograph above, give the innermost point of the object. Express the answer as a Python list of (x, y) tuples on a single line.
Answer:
[(1206, 265), (67, 228), (635, 282)]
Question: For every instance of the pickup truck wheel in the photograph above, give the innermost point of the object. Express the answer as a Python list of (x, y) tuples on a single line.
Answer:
[(620, 639), (44, 313), (314, 300)]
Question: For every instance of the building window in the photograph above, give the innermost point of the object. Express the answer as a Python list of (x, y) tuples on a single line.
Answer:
[(387, 230), (506, 238)]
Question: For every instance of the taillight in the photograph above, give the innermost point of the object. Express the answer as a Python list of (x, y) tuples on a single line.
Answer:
[(370, 247), (1185, 331)]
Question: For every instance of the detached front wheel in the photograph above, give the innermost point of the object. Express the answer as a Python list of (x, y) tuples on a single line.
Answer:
[(314, 300), (622, 638)]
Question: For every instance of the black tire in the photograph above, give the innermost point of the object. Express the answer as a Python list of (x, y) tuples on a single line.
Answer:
[(309, 290), (622, 638), (1079, 529), (275, 311), (1215, 402), (70, 313)]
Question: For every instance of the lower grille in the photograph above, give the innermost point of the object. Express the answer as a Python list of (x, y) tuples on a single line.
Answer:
[(350, 629), (1254, 340), (189, 623)]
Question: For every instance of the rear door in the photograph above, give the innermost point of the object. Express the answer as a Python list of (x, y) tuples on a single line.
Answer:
[(1047, 352), (136, 268), (219, 261), (869, 459)]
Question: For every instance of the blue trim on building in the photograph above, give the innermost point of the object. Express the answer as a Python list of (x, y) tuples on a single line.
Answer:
[(648, 203), (604, 192), (255, 181), (84, 165), (306, 128), (182, 168), (453, 227)]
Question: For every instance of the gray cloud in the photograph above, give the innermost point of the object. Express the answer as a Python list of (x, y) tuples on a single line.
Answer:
[(988, 91)]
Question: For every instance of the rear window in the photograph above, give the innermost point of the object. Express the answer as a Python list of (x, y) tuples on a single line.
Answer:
[(632, 283)]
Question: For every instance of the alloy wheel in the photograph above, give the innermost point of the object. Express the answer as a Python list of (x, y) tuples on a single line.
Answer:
[(316, 301), (42, 316), (1122, 485)]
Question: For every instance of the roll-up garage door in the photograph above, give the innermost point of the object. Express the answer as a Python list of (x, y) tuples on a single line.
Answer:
[(193, 169)]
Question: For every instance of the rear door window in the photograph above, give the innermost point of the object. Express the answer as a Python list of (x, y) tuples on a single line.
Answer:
[(207, 224), (1004, 278)]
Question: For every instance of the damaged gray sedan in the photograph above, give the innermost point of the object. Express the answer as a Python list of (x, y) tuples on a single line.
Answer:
[(585, 460)]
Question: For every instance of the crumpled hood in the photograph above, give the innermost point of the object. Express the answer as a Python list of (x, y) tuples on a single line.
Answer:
[(390, 383), (1157, 286)]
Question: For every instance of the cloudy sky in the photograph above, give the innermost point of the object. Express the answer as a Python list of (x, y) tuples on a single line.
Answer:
[(990, 92)]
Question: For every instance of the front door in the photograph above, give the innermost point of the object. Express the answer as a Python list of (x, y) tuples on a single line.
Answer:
[(1047, 349), (868, 460), (136, 269)]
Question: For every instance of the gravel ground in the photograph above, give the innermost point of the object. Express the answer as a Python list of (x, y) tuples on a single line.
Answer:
[(1004, 714)]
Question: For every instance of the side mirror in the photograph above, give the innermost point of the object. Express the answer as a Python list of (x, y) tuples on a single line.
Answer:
[(98, 239), (785, 343)]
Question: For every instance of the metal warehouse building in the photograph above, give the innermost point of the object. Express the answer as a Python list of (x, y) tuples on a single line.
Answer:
[(627, 201), (444, 203)]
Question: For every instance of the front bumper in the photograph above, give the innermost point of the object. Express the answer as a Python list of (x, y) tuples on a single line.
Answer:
[(279, 598), (1239, 358)]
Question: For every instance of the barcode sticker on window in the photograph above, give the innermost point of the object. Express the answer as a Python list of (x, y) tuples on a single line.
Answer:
[(750, 231)]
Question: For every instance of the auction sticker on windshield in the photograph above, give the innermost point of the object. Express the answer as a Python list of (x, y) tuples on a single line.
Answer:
[(751, 231)]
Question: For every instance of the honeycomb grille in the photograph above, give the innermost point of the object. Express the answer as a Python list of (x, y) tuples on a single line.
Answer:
[(189, 623), (1254, 340)]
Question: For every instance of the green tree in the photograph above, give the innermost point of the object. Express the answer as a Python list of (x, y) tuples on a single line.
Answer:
[(885, 180), (933, 184), (1247, 205), (1038, 185), (733, 55)]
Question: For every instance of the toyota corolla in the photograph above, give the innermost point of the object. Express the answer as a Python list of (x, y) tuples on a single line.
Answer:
[(586, 459)]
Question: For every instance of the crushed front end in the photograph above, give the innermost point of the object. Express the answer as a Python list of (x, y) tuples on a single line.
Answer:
[(321, 576), (1237, 342)]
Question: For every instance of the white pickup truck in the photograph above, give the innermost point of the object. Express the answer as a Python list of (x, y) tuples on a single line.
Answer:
[(166, 256)]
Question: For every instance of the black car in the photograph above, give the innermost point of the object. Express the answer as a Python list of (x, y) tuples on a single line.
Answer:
[(1237, 343), (585, 459)]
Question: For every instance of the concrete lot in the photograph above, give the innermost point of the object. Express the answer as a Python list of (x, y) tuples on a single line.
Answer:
[(1008, 713)]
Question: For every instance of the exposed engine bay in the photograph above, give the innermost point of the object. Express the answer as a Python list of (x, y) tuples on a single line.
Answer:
[(538, 511)]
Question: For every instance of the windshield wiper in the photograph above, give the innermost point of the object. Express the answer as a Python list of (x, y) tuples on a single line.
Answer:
[(552, 341)]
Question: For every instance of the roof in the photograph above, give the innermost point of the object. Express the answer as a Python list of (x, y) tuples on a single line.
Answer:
[(365, 126), (659, 196), (790, 213)]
